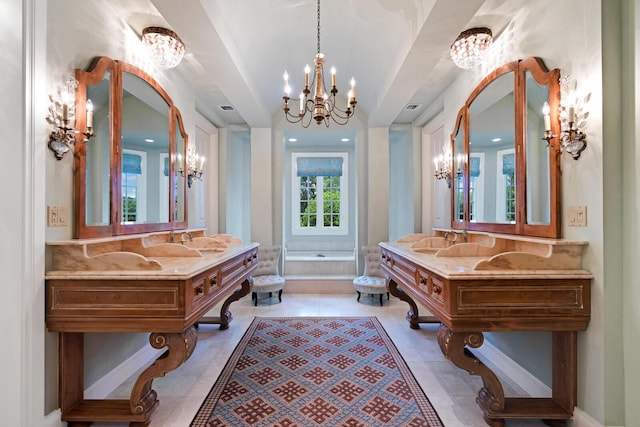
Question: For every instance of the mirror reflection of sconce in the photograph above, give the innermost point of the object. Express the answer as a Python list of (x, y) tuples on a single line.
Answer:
[(61, 115), (195, 166), (443, 165)]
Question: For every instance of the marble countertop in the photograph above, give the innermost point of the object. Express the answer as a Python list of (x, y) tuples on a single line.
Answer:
[(464, 267), (170, 267)]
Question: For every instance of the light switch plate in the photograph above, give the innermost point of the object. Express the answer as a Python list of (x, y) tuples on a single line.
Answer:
[(581, 216), (571, 216), (57, 216)]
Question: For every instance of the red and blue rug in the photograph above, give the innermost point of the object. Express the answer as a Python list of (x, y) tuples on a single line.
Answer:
[(312, 371)]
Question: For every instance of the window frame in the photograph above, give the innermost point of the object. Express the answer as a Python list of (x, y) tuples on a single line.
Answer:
[(319, 228)]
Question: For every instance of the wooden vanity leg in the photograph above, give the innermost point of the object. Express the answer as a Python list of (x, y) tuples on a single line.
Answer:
[(179, 348), (70, 370), (412, 315), (564, 369), (225, 315), (491, 395)]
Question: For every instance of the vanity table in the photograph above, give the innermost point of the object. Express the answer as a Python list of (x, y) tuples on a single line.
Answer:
[(497, 283), (137, 283)]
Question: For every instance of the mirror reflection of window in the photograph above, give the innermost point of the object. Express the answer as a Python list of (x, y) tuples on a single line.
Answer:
[(134, 186), (506, 186), (492, 129), (476, 187), (145, 129)]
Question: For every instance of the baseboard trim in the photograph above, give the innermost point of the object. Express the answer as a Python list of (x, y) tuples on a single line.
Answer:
[(54, 419), (105, 385), (582, 419)]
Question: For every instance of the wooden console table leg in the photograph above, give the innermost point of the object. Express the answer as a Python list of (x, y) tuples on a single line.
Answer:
[(179, 348), (70, 370), (225, 315), (412, 315), (564, 369), (491, 396)]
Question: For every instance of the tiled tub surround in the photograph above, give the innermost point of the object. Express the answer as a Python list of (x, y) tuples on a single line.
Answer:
[(140, 283), (497, 283)]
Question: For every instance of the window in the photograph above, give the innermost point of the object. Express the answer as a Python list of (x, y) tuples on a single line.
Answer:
[(134, 177), (476, 187), (506, 187), (319, 193)]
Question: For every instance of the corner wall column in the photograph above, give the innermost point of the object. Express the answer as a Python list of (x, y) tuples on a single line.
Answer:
[(261, 186), (378, 185)]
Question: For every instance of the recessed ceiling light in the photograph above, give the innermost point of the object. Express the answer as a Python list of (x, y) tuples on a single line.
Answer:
[(345, 140), (496, 140), (148, 140), (292, 139)]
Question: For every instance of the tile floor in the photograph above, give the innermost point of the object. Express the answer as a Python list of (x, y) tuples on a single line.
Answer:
[(451, 390)]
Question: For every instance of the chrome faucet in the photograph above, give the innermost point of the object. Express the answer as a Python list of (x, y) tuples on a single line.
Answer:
[(464, 236), (172, 236)]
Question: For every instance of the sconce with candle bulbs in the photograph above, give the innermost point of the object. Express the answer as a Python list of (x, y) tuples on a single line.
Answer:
[(443, 164), (61, 115), (194, 166), (571, 139)]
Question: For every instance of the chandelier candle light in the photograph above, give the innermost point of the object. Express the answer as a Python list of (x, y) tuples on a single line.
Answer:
[(320, 107)]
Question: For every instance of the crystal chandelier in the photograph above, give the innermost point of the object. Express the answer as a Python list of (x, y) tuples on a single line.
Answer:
[(468, 48), (165, 46), (321, 106)]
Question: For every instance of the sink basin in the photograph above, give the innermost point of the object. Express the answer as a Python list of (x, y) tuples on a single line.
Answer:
[(430, 244), (206, 244)]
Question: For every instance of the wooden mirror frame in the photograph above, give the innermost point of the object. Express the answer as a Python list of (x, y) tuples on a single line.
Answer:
[(543, 76), (94, 73)]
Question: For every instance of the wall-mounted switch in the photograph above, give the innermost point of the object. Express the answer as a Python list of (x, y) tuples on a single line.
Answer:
[(571, 216), (581, 216), (57, 216)]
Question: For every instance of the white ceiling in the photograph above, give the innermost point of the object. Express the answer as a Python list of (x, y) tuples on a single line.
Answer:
[(397, 50)]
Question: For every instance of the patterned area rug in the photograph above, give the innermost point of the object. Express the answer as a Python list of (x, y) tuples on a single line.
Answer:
[(312, 371)]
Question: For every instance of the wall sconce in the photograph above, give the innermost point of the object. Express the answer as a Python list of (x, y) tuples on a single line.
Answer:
[(572, 140), (61, 115), (195, 166), (443, 165)]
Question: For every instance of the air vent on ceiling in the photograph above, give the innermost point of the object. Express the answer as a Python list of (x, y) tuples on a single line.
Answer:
[(412, 107), (226, 107)]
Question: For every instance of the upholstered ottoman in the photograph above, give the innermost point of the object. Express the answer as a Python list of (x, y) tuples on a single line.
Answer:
[(267, 277)]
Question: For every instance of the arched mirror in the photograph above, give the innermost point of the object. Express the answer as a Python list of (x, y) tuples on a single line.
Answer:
[(511, 177), (125, 173)]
